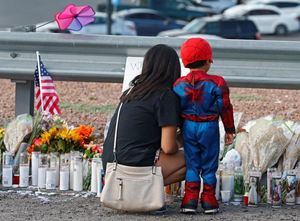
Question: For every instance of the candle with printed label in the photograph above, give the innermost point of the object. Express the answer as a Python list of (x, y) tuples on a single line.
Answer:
[(7, 168), (298, 187), (72, 156), (270, 171), (94, 175), (24, 170), (51, 171), (64, 172), (238, 184), (291, 188), (276, 189), (77, 176), (34, 168), (43, 165)]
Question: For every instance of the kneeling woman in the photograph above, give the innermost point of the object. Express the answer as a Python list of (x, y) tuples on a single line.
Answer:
[(149, 118)]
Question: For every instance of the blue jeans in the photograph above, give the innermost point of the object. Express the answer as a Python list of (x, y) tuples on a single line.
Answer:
[(201, 141)]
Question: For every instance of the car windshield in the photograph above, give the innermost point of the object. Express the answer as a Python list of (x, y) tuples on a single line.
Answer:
[(194, 26)]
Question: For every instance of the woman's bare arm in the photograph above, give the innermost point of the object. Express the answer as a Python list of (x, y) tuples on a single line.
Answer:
[(168, 139)]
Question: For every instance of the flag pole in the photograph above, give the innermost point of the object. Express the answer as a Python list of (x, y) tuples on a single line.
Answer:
[(40, 79)]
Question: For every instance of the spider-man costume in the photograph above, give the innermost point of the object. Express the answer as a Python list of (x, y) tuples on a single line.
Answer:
[(204, 98)]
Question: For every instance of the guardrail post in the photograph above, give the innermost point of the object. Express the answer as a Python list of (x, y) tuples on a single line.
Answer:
[(24, 102)]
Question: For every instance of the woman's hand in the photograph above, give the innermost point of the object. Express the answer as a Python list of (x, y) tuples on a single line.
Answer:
[(168, 139)]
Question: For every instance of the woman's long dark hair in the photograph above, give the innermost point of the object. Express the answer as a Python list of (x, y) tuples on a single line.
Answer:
[(160, 70)]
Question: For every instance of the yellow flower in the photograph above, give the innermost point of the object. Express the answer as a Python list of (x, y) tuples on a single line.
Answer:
[(46, 137), (2, 131), (53, 131), (75, 136), (63, 133)]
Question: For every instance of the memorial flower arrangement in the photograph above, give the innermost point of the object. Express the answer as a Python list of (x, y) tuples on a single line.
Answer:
[(52, 134), (63, 139)]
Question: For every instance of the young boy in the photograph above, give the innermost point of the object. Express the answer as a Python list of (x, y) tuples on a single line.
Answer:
[(203, 99)]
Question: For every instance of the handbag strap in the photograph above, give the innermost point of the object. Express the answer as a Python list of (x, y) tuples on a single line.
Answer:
[(116, 134), (116, 128)]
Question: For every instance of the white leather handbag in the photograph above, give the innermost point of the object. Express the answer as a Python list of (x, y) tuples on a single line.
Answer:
[(129, 188)]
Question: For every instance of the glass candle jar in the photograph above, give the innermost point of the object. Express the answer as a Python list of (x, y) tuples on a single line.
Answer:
[(78, 175), (57, 160), (228, 179), (276, 189), (43, 165), (73, 155), (34, 167), (94, 174), (270, 171), (298, 187), (64, 172), (291, 183), (51, 171), (24, 170), (254, 181), (238, 184), (7, 169)]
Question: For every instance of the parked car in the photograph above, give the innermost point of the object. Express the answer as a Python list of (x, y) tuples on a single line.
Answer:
[(268, 19), (239, 28), (181, 9), (148, 22), (288, 6), (119, 26), (217, 6), (176, 9)]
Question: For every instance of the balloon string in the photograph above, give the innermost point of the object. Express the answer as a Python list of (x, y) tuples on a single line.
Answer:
[(42, 25)]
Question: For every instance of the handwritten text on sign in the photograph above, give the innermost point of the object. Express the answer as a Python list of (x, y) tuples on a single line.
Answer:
[(133, 68)]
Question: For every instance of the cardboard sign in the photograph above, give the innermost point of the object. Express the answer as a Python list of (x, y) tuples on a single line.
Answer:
[(133, 68)]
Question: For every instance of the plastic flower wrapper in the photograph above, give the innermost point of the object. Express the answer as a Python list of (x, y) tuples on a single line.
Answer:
[(59, 122), (37, 127)]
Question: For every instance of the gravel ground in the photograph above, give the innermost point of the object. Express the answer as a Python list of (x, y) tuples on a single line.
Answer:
[(79, 208), (92, 103)]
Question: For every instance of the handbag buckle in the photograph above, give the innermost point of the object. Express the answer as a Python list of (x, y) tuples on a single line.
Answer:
[(154, 170), (115, 166)]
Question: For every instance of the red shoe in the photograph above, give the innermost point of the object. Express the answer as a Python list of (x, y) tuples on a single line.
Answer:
[(209, 202), (189, 202)]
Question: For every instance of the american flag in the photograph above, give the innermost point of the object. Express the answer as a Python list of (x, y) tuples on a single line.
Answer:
[(50, 96)]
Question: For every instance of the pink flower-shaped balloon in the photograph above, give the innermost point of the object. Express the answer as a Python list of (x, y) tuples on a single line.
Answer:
[(75, 17)]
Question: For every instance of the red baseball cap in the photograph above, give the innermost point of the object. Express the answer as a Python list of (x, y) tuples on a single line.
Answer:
[(195, 49)]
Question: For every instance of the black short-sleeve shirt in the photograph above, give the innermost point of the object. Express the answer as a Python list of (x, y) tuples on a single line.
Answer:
[(139, 131)]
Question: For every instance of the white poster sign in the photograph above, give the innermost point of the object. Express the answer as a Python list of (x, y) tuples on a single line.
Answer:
[(133, 68)]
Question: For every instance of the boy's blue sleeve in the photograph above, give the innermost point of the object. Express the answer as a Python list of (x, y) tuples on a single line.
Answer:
[(179, 89), (225, 106)]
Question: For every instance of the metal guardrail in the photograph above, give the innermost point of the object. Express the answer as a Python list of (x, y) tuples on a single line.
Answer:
[(261, 64)]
